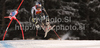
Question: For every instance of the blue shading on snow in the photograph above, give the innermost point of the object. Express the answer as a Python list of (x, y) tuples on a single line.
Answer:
[(6, 45)]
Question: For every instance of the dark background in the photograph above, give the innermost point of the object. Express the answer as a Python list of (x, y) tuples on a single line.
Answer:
[(81, 11)]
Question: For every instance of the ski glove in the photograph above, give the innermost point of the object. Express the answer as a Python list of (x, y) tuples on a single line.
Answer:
[(33, 19), (46, 16)]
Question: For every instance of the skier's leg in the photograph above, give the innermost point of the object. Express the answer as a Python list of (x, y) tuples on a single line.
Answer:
[(7, 29), (21, 28), (37, 26), (36, 32)]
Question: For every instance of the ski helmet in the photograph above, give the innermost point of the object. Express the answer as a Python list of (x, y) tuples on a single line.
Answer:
[(38, 5)]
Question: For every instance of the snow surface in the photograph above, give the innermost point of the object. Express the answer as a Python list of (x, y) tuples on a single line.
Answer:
[(49, 44)]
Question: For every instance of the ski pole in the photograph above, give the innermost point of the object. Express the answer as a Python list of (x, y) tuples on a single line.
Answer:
[(57, 34)]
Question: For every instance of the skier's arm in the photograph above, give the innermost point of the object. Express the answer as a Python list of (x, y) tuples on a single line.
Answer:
[(45, 13), (33, 12)]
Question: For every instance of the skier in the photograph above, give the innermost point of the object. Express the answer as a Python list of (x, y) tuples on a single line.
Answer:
[(38, 13)]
